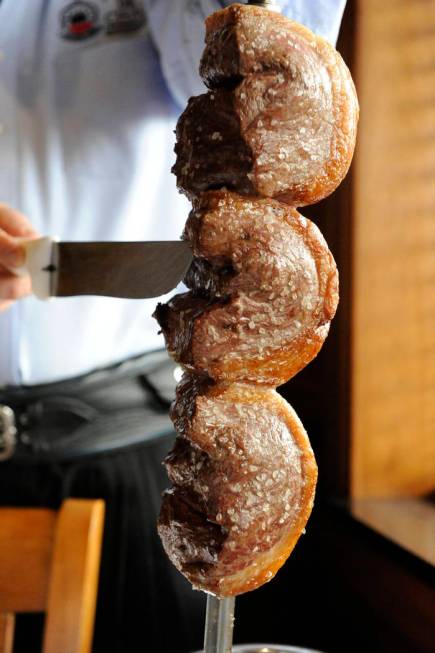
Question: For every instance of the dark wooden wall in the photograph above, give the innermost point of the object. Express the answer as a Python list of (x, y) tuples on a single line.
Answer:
[(345, 589)]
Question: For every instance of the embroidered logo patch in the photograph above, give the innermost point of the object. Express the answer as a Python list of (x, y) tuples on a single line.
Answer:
[(79, 20), (127, 17)]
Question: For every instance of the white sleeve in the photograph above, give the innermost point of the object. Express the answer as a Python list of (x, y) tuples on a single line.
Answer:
[(177, 29)]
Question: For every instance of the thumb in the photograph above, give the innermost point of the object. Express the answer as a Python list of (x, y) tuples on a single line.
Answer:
[(12, 253)]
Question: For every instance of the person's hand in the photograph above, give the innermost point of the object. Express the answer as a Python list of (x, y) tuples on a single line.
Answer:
[(13, 228)]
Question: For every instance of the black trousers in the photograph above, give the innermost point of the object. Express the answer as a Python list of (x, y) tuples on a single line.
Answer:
[(144, 604)]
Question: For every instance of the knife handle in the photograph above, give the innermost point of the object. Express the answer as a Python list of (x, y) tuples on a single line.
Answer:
[(39, 255)]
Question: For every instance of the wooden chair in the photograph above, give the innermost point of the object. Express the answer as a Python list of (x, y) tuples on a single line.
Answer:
[(49, 562)]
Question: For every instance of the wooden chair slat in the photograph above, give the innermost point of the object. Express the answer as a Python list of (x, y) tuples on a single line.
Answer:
[(74, 577), (26, 543), (49, 562), (7, 626)]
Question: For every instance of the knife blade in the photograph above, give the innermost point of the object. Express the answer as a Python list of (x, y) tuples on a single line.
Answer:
[(132, 270)]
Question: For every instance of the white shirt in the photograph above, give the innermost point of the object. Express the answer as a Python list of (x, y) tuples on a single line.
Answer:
[(87, 113)]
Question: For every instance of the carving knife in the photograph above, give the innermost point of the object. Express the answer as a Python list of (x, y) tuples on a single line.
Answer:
[(133, 270)]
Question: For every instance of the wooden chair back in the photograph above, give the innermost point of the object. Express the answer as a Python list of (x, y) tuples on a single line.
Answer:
[(49, 562)]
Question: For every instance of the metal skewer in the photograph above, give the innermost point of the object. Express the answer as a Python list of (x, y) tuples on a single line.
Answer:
[(267, 4), (219, 620), (219, 623)]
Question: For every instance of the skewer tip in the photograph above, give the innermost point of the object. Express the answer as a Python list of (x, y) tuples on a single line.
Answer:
[(266, 4)]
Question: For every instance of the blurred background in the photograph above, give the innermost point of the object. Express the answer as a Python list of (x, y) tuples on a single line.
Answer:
[(362, 579)]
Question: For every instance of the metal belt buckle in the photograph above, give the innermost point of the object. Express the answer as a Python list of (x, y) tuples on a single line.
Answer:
[(8, 432)]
